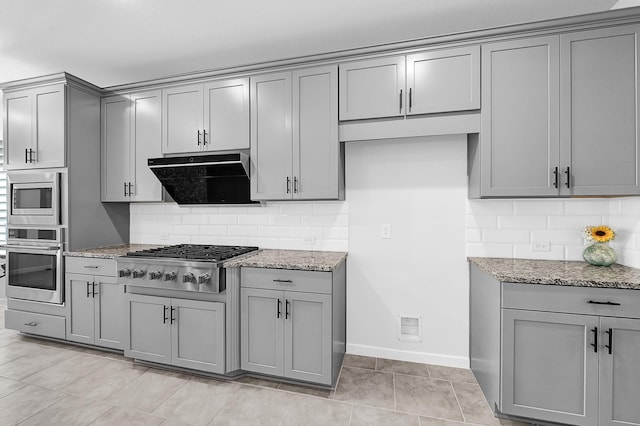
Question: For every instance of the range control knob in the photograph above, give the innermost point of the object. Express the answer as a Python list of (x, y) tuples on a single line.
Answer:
[(124, 272), (188, 278), (155, 275), (138, 273), (170, 276), (203, 278)]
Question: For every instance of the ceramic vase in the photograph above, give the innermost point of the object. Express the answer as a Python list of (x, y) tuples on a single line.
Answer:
[(600, 254)]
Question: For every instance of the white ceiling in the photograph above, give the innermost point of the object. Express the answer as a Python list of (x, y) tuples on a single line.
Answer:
[(110, 42)]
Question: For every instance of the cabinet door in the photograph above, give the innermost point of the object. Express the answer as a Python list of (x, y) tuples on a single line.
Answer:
[(271, 137), (599, 110), (226, 114), (79, 296), (115, 147), (197, 337), (443, 80), (261, 331), (316, 147), (145, 143), (49, 126), (109, 312), (17, 129), (372, 88), (549, 367), (520, 129), (148, 328), (182, 109), (619, 372), (308, 350)]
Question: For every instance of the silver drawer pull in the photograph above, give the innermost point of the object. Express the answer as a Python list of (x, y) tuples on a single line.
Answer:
[(596, 302), (31, 323), (277, 280), (91, 267)]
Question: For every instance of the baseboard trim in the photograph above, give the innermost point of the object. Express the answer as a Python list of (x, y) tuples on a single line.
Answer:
[(400, 355)]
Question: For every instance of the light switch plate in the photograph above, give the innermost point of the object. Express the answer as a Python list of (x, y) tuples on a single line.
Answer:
[(385, 230)]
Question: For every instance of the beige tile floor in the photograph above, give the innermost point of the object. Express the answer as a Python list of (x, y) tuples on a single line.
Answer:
[(45, 383)]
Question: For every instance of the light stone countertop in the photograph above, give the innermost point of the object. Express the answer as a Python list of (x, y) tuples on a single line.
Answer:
[(559, 272), (303, 260), (109, 252)]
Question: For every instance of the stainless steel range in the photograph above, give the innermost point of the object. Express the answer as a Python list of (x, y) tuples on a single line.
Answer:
[(187, 267), (183, 307)]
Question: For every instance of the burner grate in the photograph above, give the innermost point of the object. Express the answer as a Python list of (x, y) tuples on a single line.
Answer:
[(213, 253)]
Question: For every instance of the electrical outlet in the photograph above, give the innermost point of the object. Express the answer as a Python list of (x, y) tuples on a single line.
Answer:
[(541, 246), (164, 237), (309, 240), (385, 230)]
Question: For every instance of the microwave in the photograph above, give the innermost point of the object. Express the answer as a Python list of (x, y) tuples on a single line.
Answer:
[(34, 198)]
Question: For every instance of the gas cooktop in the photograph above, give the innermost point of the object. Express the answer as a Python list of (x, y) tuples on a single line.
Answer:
[(201, 252)]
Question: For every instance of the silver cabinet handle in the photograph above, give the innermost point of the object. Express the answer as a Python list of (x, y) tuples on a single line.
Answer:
[(91, 267), (31, 324)]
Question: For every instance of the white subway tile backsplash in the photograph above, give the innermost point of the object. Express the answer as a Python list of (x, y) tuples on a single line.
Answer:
[(245, 231), (495, 228), (524, 251), (482, 221), (522, 222), (586, 207), (274, 231), (539, 207), (506, 236), (489, 250), (574, 222), (489, 207)]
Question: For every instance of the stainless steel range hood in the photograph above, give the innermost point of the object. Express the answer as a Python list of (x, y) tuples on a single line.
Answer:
[(205, 179)]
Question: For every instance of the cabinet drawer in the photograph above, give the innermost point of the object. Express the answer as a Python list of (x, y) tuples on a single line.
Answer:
[(574, 300), (91, 265), (29, 322), (285, 279)]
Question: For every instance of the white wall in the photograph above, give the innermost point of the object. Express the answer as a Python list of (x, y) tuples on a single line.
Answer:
[(419, 187)]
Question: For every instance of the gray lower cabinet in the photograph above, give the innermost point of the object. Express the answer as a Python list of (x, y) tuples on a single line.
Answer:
[(184, 333), (96, 303), (556, 353), (297, 333)]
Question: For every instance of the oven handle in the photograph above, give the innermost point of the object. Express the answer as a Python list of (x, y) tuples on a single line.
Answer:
[(34, 248)]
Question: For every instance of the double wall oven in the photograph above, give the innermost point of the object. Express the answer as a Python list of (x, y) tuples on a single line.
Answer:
[(35, 237)]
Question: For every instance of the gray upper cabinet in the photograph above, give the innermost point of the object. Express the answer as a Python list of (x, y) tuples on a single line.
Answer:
[(226, 115), (131, 130), (428, 82), (559, 116), (34, 127), (520, 121), (443, 80), (372, 89), (213, 116), (599, 112), (295, 151)]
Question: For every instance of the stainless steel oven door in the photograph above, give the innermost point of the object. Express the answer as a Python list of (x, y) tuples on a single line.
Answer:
[(35, 273), (35, 198)]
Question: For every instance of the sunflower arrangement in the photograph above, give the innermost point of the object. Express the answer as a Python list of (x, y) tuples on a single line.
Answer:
[(598, 234)]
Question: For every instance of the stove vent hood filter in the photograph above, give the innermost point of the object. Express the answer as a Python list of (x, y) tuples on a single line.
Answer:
[(205, 179)]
